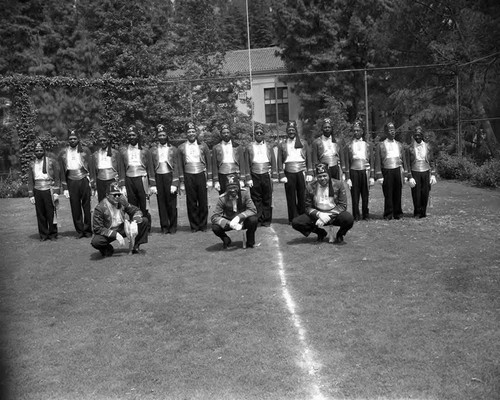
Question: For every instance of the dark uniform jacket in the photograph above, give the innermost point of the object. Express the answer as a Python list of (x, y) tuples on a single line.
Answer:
[(283, 153), (218, 155), (249, 156), (411, 157), (102, 218), (172, 161), (318, 149), (370, 156), (146, 162), (224, 212), (52, 171), (116, 163), (86, 157), (206, 159), (337, 191), (381, 155)]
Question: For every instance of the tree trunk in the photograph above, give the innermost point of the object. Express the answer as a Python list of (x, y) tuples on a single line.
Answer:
[(491, 140)]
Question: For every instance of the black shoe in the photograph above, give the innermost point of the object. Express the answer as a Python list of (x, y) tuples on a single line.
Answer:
[(226, 241), (321, 235), (339, 240), (366, 217), (250, 246), (135, 250), (81, 235)]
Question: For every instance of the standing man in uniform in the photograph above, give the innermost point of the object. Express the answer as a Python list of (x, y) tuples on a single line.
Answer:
[(234, 210), (195, 176), (43, 190), (227, 158), (167, 180), (261, 167), (106, 163), (294, 169), (359, 171), (390, 172), (421, 175), (77, 178), (326, 150), (326, 204), (138, 174)]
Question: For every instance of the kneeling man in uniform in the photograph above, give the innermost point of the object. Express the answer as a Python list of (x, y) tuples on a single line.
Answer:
[(326, 204), (234, 210), (109, 222)]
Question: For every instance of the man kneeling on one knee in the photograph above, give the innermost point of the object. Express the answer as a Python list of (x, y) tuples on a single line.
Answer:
[(234, 210), (109, 222), (326, 204)]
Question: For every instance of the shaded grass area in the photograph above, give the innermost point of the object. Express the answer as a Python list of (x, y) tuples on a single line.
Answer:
[(407, 309)]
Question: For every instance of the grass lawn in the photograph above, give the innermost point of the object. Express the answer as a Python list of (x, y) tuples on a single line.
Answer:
[(407, 309)]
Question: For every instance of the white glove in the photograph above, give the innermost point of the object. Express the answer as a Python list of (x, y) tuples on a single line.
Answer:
[(234, 223), (94, 192), (173, 189), (217, 186), (242, 184), (55, 196), (349, 183), (412, 182), (153, 190), (123, 189), (342, 177), (381, 181), (372, 181), (120, 238), (182, 187), (66, 194), (433, 180), (284, 180), (324, 217), (275, 180), (319, 223), (250, 183), (405, 179), (210, 183), (309, 178), (32, 200)]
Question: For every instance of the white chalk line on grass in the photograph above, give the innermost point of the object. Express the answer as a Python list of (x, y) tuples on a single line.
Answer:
[(308, 363)]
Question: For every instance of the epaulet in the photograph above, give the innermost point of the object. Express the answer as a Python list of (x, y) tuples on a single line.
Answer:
[(222, 195)]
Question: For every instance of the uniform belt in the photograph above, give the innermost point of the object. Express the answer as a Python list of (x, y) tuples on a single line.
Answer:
[(194, 168), (43, 184), (420, 166), (295, 166), (331, 160), (106, 174), (76, 174), (261, 168), (134, 171), (359, 164), (228, 168), (391, 163), (163, 168)]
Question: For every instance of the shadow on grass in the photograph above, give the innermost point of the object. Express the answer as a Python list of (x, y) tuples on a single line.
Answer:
[(303, 240)]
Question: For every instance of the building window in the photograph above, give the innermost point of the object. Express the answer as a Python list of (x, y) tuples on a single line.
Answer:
[(276, 104)]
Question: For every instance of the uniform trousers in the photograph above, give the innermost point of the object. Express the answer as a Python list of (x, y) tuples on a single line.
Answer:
[(262, 196), (103, 243), (196, 200), (306, 224), (335, 172), (167, 203), (45, 214), (79, 200), (392, 189), (295, 190), (359, 189), (420, 193), (250, 224), (102, 186), (136, 195)]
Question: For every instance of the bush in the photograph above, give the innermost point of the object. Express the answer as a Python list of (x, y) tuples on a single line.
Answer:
[(10, 187), (465, 169)]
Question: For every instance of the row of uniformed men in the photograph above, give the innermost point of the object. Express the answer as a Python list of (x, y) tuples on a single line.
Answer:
[(193, 168)]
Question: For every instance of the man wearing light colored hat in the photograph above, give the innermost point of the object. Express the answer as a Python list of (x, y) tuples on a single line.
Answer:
[(234, 210), (421, 175), (359, 171), (43, 191), (109, 222), (106, 163), (326, 204), (326, 150), (165, 161), (195, 176), (77, 179), (227, 158), (294, 170)]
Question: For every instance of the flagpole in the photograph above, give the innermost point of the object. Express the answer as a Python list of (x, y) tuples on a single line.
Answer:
[(250, 69)]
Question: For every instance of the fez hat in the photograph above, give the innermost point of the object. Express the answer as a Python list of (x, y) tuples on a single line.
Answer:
[(224, 126), (357, 124), (113, 188), (160, 128), (133, 129), (232, 181), (190, 125), (418, 131), (327, 121), (259, 128), (321, 169)]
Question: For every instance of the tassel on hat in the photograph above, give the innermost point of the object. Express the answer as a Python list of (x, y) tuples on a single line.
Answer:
[(293, 125), (104, 135), (72, 132), (44, 165)]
